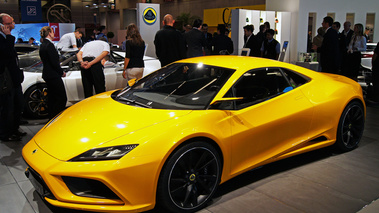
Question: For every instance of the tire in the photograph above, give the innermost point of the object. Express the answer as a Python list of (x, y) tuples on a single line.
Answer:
[(350, 127), (189, 178), (36, 101)]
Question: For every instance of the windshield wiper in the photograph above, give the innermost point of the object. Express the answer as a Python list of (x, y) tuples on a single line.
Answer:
[(205, 86), (175, 90), (134, 102)]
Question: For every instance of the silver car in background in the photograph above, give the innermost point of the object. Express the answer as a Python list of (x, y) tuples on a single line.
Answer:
[(35, 89)]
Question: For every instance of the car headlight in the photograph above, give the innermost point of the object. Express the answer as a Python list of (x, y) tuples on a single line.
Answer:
[(107, 153)]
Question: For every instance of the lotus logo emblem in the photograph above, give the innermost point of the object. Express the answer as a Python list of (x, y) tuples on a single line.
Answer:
[(34, 151), (192, 177), (149, 16)]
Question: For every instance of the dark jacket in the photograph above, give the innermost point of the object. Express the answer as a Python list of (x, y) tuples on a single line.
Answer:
[(195, 42), (169, 45), (222, 42), (259, 37), (9, 58), (50, 60), (346, 39), (329, 52), (254, 45)]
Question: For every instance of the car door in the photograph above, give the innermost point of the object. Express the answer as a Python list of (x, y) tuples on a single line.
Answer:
[(113, 72), (113, 77), (272, 118), (73, 80)]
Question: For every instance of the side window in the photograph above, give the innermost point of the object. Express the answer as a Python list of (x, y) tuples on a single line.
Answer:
[(259, 85), (294, 78)]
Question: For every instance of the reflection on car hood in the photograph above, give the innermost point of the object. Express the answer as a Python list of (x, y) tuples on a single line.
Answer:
[(96, 121)]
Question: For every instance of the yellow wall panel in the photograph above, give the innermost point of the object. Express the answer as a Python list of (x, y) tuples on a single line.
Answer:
[(213, 17)]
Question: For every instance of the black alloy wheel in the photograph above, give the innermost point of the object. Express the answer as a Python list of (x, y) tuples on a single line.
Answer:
[(189, 178), (350, 127), (36, 101)]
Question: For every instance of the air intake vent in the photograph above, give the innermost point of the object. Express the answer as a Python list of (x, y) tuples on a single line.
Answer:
[(89, 188)]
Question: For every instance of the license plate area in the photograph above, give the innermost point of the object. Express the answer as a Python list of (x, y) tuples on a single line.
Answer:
[(37, 186), (38, 183)]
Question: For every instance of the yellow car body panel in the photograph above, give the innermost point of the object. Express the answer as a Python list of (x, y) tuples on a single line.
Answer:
[(305, 114)]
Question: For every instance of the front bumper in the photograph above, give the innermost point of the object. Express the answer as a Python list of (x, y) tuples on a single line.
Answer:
[(131, 181)]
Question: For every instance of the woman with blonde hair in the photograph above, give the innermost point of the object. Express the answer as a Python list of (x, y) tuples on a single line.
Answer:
[(135, 49), (356, 46), (52, 73)]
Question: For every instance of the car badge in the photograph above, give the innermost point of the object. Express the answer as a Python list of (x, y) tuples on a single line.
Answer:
[(34, 151)]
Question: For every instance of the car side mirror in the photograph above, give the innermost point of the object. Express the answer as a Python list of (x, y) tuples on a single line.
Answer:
[(221, 100), (223, 103), (131, 82)]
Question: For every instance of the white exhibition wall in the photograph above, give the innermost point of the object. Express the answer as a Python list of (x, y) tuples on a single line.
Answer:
[(300, 10), (242, 17)]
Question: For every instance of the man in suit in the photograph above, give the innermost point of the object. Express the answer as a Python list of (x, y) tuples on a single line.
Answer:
[(52, 73), (221, 43), (260, 37), (169, 42), (251, 41), (347, 33), (345, 38), (208, 39), (329, 50), (12, 102), (195, 40)]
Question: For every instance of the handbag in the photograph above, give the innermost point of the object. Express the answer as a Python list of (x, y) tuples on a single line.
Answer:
[(5, 82)]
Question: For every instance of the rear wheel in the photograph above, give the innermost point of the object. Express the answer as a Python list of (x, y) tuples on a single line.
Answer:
[(189, 178), (36, 101), (350, 127)]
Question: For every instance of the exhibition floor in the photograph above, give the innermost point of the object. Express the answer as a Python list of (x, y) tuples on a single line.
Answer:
[(319, 181)]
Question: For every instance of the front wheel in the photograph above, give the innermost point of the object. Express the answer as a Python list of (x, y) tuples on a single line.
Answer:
[(350, 127), (189, 178), (36, 101)]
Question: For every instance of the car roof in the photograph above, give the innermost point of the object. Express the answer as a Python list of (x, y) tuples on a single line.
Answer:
[(244, 63)]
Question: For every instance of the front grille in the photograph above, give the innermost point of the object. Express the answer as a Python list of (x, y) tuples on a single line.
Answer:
[(89, 188)]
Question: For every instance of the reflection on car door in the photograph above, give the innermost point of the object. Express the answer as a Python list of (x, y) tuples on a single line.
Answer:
[(275, 118), (113, 77), (74, 87)]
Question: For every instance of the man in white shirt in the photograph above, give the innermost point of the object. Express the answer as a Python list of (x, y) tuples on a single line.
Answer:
[(90, 56), (68, 41)]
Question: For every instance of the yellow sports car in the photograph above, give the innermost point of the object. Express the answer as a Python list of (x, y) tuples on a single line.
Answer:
[(172, 137)]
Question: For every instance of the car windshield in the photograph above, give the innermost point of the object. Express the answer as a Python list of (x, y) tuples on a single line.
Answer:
[(177, 86)]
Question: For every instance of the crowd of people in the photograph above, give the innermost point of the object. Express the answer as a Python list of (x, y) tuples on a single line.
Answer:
[(263, 44), (340, 53), (195, 40)]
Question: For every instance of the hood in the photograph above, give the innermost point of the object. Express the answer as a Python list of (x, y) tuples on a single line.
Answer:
[(94, 122)]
